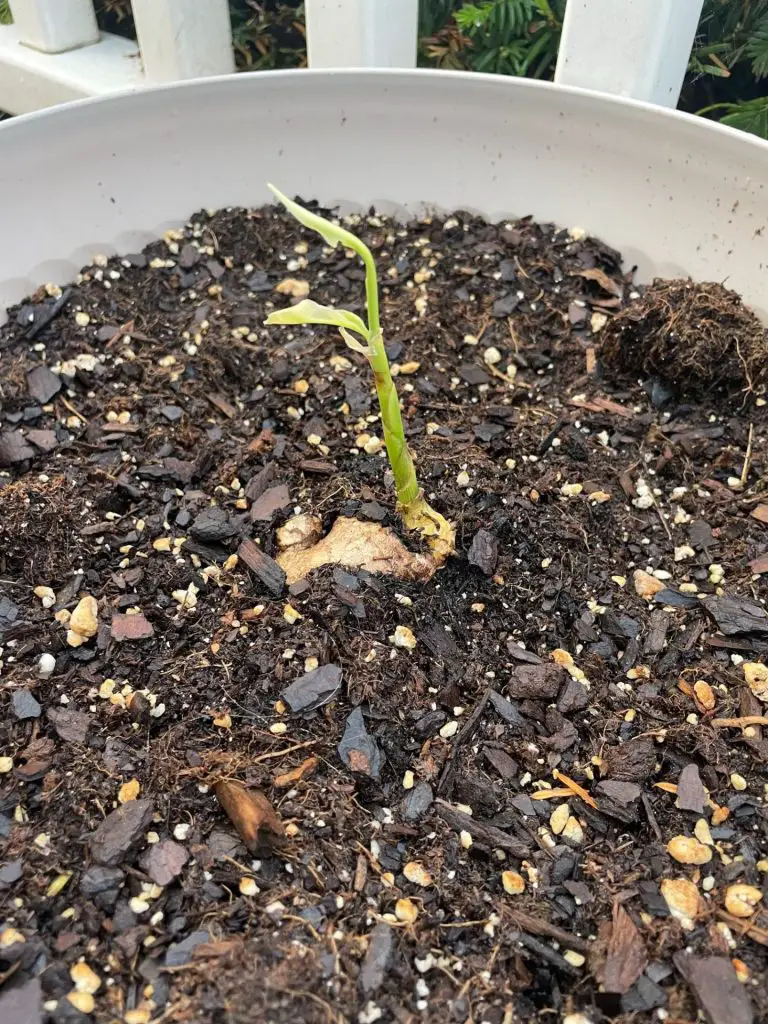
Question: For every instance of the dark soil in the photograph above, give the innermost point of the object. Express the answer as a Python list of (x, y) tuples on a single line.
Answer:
[(696, 336), (172, 428)]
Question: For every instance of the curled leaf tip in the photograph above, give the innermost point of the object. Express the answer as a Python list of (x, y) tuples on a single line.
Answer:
[(333, 234)]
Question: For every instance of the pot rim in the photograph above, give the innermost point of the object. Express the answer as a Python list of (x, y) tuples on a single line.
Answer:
[(472, 79)]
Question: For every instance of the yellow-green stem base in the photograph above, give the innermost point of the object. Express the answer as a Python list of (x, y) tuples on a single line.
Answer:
[(419, 516)]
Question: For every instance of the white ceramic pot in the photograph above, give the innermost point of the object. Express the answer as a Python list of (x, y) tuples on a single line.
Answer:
[(677, 194)]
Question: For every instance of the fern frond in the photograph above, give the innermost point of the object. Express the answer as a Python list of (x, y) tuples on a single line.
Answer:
[(474, 16), (757, 49), (750, 116)]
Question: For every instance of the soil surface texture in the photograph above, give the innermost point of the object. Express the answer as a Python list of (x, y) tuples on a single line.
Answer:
[(530, 790)]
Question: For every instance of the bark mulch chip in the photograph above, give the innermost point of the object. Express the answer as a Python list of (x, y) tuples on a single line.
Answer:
[(358, 798)]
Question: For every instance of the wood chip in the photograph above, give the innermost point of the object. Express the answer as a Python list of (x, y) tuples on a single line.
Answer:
[(739, 723), (480, 832), (220, 402), (626, 958), (262, 566), (317, 466), (131, 627), (538, 926), (602, 404), (718, 991), (290, 778), (601, 278), (691, 795), (257, 823)]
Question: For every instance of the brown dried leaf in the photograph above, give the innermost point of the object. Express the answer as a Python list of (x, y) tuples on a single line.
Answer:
[(600, 277), (358, 545), (251, 813), (626, 958), (760, 512)]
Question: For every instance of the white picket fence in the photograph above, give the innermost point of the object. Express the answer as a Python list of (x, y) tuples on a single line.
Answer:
[(54, 51)]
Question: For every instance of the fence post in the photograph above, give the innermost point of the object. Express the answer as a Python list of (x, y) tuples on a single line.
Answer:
[(635, 48), (184, 38), (54, 26), (362, 33)]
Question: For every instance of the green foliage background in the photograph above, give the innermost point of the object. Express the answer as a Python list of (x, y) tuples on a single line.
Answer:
[(727, 76)]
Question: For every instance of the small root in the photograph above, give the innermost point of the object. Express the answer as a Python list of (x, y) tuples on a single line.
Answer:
[(695, 336)]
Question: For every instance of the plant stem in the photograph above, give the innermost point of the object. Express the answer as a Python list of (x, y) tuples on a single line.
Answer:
[(406, 484), (400, 458)]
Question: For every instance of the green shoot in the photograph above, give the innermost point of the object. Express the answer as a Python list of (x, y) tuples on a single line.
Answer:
[(416, 512)]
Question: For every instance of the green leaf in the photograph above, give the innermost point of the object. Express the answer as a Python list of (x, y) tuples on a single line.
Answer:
[(697, 67), (309, 312), (751, 116), (757, 50), (332, 233), (474, 15), (543, 7)]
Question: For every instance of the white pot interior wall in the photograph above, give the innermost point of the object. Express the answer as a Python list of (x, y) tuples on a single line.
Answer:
[(676, 194)]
